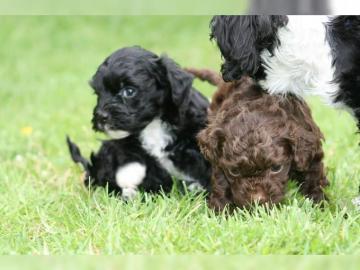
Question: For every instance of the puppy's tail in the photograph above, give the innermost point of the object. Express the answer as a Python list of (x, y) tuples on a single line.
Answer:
[(207, 75), (76, 155)]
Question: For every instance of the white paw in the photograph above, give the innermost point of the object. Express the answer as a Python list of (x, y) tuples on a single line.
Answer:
[(356, 202), (129, 177), (195, 187), (128, 194)]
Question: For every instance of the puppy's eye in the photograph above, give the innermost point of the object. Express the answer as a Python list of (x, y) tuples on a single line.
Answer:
[(128, 92), (276, 168), (235, 172)]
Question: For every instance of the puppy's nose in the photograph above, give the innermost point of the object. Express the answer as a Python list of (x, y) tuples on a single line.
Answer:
[(102, 117), (259, 196)]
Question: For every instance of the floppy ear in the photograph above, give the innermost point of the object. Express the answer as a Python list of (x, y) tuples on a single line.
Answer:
[(306, 148), (241, 40), (179, 83), (220, 195), (308, 160), (236, 38), (210, 141)]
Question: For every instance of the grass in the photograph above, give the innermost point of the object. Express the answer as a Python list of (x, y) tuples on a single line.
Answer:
[(45, 65)]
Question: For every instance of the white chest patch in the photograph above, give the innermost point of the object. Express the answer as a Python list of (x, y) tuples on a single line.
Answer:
[(129, 177), (116, 134), (302, 64), (154, 139)]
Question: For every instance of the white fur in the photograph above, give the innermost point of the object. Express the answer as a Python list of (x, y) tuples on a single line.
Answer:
[(356, 202), (302, 64), (195, 187), (129, 177), (116, 134), (154, 138)]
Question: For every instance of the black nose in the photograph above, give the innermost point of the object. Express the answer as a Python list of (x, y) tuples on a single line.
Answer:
[(102, 117)]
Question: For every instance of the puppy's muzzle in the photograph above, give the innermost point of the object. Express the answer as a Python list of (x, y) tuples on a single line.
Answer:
[(101, 118)]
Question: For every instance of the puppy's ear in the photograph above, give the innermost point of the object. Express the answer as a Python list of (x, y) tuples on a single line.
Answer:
[(306, 148), (178, 79), (308, 161), (210, 141), (179, 83), (241, 40)]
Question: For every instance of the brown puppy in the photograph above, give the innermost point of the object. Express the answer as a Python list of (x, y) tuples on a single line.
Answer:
[(256, 142)]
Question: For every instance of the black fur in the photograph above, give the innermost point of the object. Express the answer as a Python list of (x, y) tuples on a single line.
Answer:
[(241, 40), (162, 91), (112, 155), (343, 34)]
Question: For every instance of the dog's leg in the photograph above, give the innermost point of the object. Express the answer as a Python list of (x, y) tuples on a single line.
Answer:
[(188, 159), (220, 191), (128, 177)]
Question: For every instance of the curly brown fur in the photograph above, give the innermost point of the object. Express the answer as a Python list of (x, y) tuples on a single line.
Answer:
[(256, 142)]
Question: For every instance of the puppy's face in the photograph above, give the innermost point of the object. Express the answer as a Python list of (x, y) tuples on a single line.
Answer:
[(128, 93), (135, 86), (256, 161), (256, 142), (254, 156)]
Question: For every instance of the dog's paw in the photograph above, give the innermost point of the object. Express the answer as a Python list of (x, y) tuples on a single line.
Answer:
[(317, 196), (356, 202), (195, 187), (129, 194)]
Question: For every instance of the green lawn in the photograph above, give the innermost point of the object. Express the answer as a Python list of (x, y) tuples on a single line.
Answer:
[(45, 63)]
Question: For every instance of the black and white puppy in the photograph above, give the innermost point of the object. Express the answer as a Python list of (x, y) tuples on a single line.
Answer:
[(316, 55), (147, 105)]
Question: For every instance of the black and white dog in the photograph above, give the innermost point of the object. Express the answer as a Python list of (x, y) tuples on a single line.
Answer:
[(316, 55), (147, 105)]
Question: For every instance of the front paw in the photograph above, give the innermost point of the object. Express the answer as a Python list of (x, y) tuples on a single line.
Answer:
[(317, 196), (128, 194), (218, 204), (195, 186)]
